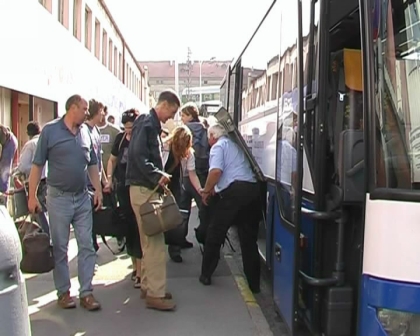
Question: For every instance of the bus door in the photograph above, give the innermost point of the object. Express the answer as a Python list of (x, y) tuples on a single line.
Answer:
[(294, 229), (288, 170)]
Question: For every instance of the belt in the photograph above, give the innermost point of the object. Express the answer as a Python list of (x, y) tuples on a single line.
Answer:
[(220, 193), (68, 193)]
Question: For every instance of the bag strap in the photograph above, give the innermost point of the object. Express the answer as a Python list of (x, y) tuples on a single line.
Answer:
[(109, 248), (122, 140), (165, 188)]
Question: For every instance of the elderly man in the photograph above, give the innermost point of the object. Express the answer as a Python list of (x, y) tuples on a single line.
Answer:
[(68, 147), (237, 203)]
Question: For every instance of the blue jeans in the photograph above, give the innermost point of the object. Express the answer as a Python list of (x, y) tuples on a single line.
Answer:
[(65, 208)]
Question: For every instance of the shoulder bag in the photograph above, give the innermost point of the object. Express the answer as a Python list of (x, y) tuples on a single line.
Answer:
[(160, 215)]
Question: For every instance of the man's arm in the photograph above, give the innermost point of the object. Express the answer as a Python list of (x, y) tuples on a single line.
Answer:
[(216, 168), (40, 158), (25, 160), (93, 170), (139, 151), (93, 173)]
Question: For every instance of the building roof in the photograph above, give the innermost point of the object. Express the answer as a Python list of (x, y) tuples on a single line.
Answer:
[(165, 69)]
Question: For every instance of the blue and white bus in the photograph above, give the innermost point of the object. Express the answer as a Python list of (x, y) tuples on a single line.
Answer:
[(326, 96)]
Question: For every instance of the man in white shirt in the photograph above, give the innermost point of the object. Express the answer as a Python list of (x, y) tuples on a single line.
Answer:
[(24, 167)]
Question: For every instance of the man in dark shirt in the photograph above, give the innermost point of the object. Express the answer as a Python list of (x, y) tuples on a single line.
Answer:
[(144, 172), (67, 146)]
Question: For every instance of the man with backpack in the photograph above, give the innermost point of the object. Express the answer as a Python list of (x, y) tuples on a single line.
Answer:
[(190, 118)]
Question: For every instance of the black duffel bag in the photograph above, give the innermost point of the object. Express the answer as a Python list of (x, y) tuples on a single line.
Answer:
[(37, 254), (110, 220)]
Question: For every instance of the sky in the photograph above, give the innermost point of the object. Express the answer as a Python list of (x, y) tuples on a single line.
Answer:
[(164, 29)]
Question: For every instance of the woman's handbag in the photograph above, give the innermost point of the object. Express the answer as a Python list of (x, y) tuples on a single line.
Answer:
[(160, 215)]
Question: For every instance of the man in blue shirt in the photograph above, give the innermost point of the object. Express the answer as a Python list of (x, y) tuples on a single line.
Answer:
[(237, 203), (67, 146)]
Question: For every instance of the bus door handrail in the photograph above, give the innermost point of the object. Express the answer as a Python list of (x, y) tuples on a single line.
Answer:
[(324, 216)]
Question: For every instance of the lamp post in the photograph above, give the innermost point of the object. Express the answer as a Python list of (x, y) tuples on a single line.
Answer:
[(201, 63)]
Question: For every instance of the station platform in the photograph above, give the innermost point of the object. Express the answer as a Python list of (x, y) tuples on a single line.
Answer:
[(227, 307)]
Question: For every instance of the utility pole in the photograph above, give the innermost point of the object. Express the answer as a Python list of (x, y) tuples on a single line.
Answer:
[(189, 71)]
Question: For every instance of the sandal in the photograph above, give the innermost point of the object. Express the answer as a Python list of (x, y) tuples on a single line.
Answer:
[(133, 276), (137, 283)]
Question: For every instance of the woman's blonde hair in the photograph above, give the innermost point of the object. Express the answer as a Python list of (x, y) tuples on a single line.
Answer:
[(180, 141)]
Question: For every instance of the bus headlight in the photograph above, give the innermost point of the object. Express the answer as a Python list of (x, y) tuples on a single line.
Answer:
[(397, 323)]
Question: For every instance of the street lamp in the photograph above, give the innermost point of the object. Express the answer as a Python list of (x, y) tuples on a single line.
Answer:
[(201, 63)]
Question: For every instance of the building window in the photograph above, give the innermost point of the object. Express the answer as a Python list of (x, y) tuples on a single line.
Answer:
[(88, 28), (127, 75), (206, 82), (77, 19), (104, 47), (115, 62), (47, 4), (97, 39), (63, 12), (120, 67), (110, 52)]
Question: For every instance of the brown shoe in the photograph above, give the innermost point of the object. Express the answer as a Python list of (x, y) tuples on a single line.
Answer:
[(160, 303), (143, 295), (90, 303), (65, 301)]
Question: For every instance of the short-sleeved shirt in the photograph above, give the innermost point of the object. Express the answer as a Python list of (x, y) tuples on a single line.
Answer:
[(120, 151), (187, 164), (230, 159), (97, 147), (108, 134), (68, 155)]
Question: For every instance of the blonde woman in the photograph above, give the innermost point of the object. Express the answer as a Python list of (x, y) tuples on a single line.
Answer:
[(179, 161)]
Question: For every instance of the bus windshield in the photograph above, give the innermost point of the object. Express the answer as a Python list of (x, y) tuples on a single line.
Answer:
[(397, 77)]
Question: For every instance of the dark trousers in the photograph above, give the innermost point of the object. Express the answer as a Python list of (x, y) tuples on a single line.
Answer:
[(94, 237), (238, 205), (189, 193), (175, 188), (133, 237)]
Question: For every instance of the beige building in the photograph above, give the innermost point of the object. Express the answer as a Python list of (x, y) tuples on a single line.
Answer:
[(64, 47), (162, 75)]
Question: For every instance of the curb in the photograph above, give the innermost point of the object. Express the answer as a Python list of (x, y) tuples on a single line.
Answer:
[(260, 323)]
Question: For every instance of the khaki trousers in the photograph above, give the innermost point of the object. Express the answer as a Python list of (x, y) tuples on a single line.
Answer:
[(153, 268)]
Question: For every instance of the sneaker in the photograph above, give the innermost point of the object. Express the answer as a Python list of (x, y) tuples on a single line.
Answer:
[(162, 304), (65, 301), (137, 283), (90, 303)]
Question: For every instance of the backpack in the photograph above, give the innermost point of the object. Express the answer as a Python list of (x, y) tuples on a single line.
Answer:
[(201, 148)]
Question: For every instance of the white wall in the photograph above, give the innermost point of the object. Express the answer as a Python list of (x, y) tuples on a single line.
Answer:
[(49, 62)]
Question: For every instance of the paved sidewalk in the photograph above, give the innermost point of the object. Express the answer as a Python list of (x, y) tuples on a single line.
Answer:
[(217, 310)]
